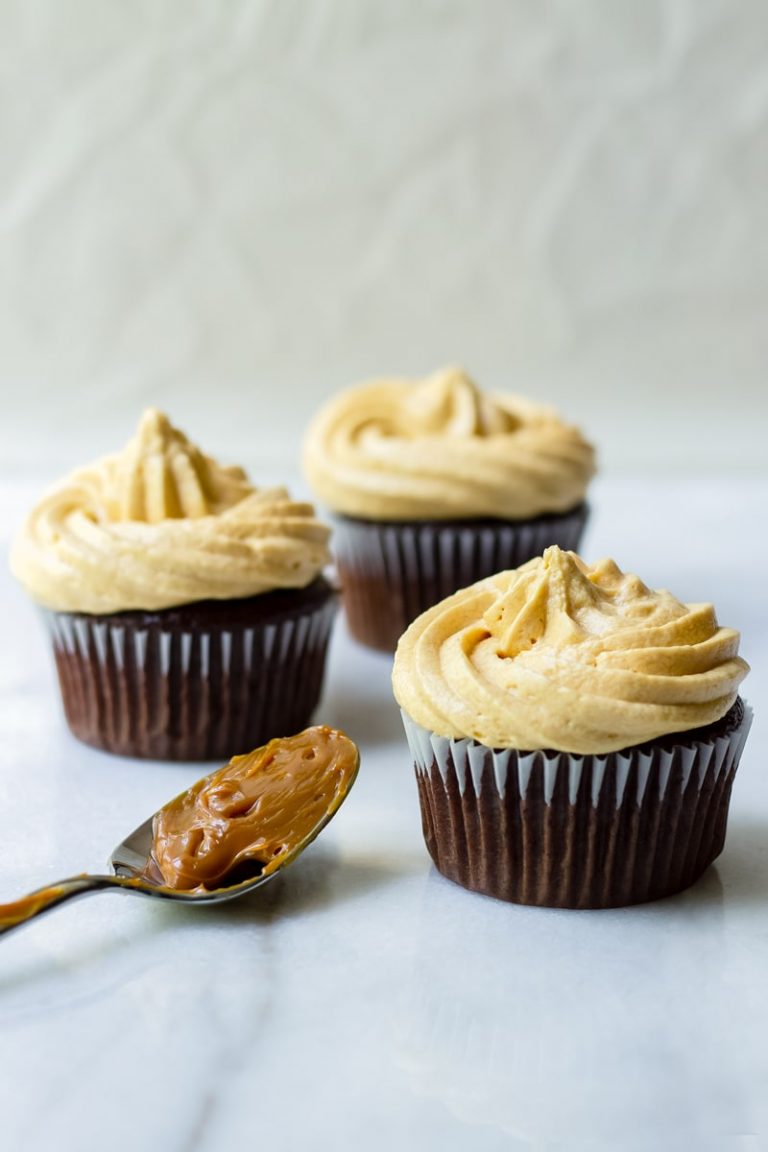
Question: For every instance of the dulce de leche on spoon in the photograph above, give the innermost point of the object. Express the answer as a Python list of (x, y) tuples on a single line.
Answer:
[(253, 815), (230, 832)]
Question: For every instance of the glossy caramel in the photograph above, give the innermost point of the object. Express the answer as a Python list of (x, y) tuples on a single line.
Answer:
[(250, 816)]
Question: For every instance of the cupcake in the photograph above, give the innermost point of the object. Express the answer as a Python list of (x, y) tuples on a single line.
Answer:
[(187, 609), (575, 734), (434, 485)]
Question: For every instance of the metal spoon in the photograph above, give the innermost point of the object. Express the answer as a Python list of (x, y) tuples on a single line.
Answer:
[(133, 870)]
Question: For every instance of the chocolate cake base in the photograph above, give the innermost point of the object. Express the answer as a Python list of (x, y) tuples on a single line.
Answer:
[(565, 831), (203, 681), (391, 572)]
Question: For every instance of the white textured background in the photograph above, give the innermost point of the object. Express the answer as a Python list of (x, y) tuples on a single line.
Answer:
[(233, 208)]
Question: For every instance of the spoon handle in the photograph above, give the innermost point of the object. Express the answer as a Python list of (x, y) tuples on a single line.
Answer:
[(20, 911)]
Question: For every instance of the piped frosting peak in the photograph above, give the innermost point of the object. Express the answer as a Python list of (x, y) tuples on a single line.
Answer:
[(161, 475), (440, 448), (161, 524), (449, 403), (563, 655)]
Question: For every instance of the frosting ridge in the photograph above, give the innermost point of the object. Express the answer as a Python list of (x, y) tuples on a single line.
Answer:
[(440, 448), (160, 524), (161, 475), (557, 654)]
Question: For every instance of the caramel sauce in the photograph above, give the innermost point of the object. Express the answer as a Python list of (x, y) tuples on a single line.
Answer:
[(247, 818), (28, 906)]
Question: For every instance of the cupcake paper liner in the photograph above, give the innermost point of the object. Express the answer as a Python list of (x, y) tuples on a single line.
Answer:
[(392, 572), (152, 688), (568, 831)]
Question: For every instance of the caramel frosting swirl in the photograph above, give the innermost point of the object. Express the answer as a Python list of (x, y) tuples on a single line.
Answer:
[(441, 449), (160, 524), (557, 654)]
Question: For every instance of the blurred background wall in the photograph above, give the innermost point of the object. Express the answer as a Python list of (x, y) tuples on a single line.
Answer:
[(231, 208)]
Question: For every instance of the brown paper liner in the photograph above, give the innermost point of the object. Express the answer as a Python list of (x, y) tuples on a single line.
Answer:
[(392, 572), (565, 831), (201, 682)]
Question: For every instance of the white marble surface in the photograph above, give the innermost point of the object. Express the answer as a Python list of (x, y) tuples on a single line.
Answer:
[(361, 1001)]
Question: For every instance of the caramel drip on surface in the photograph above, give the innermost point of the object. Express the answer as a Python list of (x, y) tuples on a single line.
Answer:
[(247, 818)]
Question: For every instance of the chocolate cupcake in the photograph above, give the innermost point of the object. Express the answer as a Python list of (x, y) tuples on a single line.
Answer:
[(575, 734), (435, 485), (187, 609)]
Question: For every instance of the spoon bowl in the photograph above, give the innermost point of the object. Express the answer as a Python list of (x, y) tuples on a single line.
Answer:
[(134, 870)]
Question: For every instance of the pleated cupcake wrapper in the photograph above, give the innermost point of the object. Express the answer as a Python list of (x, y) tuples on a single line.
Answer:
[(562, 830), (391, 573), (159, 691)]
